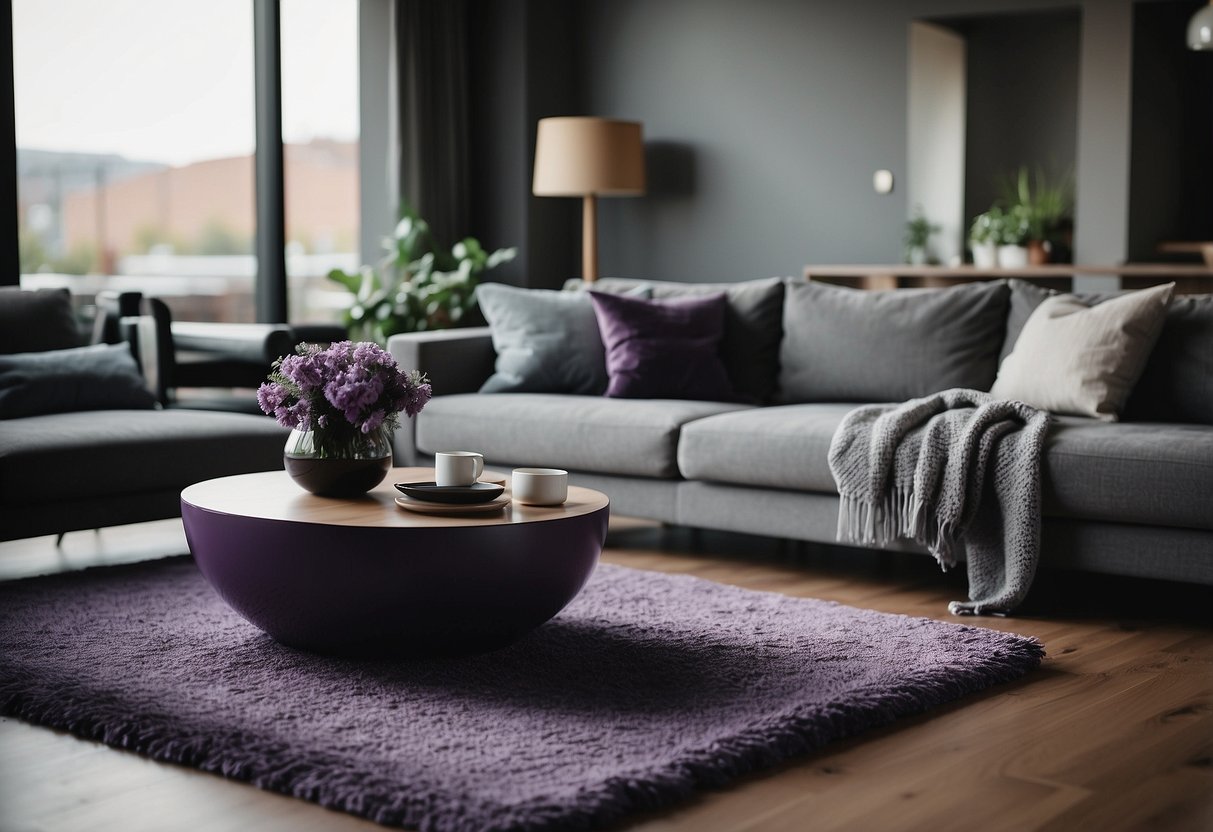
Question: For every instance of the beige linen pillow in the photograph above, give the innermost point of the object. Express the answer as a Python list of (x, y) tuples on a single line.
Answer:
[(1083, 360)]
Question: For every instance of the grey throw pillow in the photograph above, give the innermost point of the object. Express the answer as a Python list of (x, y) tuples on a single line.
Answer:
[(37, 321), (1177, 382), (100, 377), (848, 345), (546, 341), (753, 326)]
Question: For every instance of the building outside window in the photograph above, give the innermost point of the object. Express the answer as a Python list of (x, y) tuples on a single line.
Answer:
[(135, 135)]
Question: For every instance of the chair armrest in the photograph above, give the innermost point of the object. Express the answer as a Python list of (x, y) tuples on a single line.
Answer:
[(143, 337), (456, 360), (257, 344), (320, 333)]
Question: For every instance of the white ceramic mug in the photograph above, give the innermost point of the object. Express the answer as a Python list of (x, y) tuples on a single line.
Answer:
[(457, 468), (539, 486)]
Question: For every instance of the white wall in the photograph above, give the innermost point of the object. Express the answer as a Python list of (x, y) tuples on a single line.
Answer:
[(935, 140)]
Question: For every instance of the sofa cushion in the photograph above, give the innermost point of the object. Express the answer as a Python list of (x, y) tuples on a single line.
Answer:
[(752, 325), (546, 342), (848, 345), (37, 321), (1158, 474), (130, 451), (1155, 474), (663, 349), (608, 436), (773, 447), (97, 377), (1177, 382)]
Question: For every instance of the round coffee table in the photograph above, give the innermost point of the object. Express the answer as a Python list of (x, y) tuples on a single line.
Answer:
[(364, 577)]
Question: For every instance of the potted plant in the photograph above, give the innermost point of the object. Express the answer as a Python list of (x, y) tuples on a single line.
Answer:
[(1012, 238), (342, 404), (985, 235), (418, 285), (1045, 204), (918, 236)]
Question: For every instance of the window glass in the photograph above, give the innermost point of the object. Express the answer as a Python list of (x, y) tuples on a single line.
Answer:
[(320, 131), (135, 135)]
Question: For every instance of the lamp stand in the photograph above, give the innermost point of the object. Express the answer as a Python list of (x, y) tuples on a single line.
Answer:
[(589, 238)]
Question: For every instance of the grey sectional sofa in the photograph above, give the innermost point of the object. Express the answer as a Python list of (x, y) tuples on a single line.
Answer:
[(110, 460), (1129, 498)]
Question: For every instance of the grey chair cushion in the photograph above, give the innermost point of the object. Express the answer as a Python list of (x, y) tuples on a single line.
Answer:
[(752, 325), (1155, 474), (37, 321), (608, 436), (109, 452), (1177, 382), (847, 345), (97, 377)]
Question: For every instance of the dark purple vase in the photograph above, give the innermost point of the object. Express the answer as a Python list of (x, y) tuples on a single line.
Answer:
[(346, 466)]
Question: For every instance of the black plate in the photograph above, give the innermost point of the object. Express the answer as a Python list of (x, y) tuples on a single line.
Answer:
[(477, 492)]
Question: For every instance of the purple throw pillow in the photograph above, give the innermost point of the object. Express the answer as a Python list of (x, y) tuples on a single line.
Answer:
[(664, 349)]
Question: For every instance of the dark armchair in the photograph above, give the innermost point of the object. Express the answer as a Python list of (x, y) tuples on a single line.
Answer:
[(201, 365)]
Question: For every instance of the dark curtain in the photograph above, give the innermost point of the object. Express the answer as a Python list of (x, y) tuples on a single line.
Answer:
[(432, 62)]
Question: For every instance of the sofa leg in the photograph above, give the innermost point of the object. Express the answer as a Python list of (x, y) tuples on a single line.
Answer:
[(59, 539)]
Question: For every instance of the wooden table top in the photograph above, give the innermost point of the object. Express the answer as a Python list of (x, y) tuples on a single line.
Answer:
[(273, 495)]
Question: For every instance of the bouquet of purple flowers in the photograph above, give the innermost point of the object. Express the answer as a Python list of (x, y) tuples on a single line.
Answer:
[(342, 393)]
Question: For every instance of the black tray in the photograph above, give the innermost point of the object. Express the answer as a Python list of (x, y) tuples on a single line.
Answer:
[(477, 492)]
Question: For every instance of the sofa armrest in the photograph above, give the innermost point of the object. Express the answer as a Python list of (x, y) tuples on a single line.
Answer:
[(455, 360)]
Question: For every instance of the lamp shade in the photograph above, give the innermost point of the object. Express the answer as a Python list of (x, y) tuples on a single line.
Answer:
[(580, 156), (1200, 29)]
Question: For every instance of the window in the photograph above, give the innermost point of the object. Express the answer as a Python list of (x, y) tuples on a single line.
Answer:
[(320, 134), (135, 135)]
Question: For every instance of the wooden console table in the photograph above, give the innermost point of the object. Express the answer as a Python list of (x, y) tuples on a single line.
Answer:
[(1189, 278)]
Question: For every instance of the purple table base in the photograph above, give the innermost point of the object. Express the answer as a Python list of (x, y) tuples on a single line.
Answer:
[(392, 592)]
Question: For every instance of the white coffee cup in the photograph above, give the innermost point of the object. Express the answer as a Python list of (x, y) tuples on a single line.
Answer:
[(539, 486), (457, 468)]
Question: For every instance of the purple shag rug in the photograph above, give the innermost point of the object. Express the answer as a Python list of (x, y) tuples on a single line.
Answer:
[(646, 688)]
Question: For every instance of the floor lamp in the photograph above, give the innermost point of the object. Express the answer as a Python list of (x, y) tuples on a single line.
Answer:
[(589, 158)]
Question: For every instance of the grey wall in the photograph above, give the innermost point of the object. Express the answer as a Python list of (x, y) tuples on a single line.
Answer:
[(783, 109), (766, 120), (1022, 100)]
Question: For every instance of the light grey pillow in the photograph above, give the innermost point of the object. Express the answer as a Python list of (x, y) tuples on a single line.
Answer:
[(1081, 359), (849, 345), (546, 341)]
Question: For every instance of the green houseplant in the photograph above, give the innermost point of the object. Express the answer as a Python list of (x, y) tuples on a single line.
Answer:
[(418, 285), (918, 236), (1044, 204)]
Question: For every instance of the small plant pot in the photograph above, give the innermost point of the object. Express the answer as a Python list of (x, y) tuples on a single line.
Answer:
[(985, 255), (1012, 257), (916, 255), (1038, 252)]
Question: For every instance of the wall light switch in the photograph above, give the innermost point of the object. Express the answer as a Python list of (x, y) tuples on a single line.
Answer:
[(882, 181)]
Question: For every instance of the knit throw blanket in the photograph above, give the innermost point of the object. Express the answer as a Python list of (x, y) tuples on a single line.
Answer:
[(958, 471)]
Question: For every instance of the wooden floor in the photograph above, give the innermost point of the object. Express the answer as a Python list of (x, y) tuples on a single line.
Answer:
[(1115, 731)]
